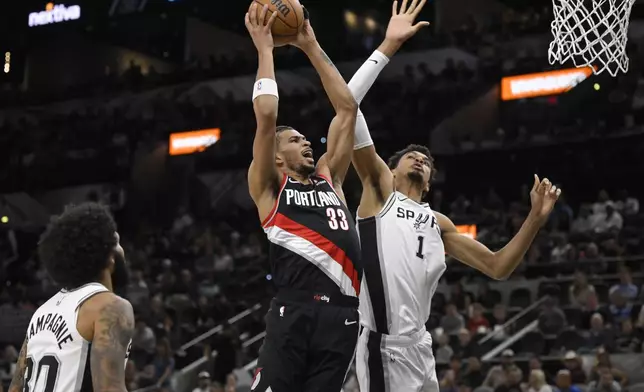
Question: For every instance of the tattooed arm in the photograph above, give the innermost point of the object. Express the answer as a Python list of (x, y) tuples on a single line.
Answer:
[(17, 383), (113, 330)]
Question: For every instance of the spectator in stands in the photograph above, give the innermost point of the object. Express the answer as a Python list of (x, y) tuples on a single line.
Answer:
[(477, 319), (618, 309), (131, 375), (512, 380), (451, 376), (564, 382), (573, 364), (582, 224), (582, 294), (498, 375), (163, 363), (144, 342), (552, 319), (452, 322), (484, 296), (473, 375), (138, 292), (537, 382), (223, 260), (603, 200), (626, 204), (604, 363), (629, 339), (444, 351), (605, 382), (460, 298), (499, 318), (607, 221), (231, 383), (204, 384), (467, 347), (625, 286), (560, 251), (599, 335)]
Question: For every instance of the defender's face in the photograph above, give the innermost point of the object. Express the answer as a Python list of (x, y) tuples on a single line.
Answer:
[(416, 166), (294, 152)]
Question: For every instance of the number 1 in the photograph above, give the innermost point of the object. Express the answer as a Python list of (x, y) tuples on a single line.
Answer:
[(419, 254)]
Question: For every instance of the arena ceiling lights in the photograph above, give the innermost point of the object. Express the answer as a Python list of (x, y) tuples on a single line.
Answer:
[(542, 83), (184, 143)]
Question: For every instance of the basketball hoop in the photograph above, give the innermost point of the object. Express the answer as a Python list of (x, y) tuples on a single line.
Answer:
[(591, 33)]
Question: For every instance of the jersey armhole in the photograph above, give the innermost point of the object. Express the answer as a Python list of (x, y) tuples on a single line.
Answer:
[(273, 211), (78, 306), (385, 208)]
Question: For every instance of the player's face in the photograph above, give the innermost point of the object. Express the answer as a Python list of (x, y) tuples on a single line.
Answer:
[(294, 152), (120, 276), (417, 167)]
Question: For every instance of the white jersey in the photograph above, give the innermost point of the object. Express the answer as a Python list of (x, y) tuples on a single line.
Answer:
[(57, 355), (403, 258)]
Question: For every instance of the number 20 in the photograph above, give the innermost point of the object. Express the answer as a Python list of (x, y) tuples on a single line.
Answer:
[(52, 364), (337, 219)]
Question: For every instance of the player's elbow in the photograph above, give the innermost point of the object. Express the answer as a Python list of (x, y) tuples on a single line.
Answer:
[(495, 269), (347, 107), (265, 107)]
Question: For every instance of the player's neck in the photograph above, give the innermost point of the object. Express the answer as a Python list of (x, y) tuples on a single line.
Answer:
[(298, 177), (410, 190), (107, 282)]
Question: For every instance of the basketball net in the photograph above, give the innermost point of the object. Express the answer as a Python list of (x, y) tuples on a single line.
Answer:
[(591, 33)]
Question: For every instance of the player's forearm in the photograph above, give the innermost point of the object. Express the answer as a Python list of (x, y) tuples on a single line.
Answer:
[(367, 74), (389, 47), (266, 105), (18, 380), (336, 88), (510, 256)]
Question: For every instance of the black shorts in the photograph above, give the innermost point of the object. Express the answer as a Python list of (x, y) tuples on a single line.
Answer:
[(310, 343)]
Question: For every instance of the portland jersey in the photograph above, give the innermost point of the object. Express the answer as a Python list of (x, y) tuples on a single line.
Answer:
[(403, 257), (57, 355), (314, 244)]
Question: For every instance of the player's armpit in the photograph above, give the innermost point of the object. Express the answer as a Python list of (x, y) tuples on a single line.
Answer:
[(18, 380), (113, 331), (340, 143), (467, 250), (377, 180)]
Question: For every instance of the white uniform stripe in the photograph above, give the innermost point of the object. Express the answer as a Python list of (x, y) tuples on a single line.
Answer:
[(315, 255)]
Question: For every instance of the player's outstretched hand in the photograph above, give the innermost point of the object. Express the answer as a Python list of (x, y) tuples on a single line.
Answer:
[(401, 25), (259, 27), (543, 197), (306, 37)]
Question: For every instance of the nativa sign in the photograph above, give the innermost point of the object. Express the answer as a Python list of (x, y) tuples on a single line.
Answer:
[(54, 14)]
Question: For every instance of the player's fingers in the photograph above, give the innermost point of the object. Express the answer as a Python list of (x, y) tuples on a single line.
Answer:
[(546, 185), (271, 20), (535, 186), (419, 8), (394, 8), (412, 6), (558, 193), (403, 7), (420, 25), (253, 14), (263, 16), (247, 21)]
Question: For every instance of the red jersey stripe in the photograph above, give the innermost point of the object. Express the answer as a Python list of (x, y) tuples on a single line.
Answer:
[(271, 214), (322, 243)]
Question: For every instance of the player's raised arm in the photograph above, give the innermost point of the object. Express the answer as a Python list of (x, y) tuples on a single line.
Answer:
[(500, 264), (18, 380), (113, 331), (263, 176), (341, 131)]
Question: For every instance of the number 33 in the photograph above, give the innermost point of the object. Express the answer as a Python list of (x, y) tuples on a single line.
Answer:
[(337, 219)]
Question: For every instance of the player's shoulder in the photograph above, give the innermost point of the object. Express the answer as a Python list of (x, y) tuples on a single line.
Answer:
[(109, 302), (104, 307)]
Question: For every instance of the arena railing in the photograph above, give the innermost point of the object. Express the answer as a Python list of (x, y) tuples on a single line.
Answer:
[(513, 320)]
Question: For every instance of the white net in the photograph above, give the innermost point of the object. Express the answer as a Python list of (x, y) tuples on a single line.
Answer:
[(591, 33)]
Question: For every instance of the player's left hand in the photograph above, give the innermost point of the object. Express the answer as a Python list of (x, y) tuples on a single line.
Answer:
[(543, 197), (401, 25), (306, 37)]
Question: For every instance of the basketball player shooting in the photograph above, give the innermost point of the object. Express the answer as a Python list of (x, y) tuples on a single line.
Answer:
[(79, 339), (404, 242), (312, 324)]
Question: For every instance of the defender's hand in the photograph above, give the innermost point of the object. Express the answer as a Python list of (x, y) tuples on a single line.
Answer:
[(306, 37), (401, 25), (259, 27), (543, 197)]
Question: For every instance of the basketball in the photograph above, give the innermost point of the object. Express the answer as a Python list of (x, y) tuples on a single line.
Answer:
[(290, 16)]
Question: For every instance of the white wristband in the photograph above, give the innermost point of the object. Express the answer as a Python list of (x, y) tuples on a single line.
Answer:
[(362, 138), (265, 86)]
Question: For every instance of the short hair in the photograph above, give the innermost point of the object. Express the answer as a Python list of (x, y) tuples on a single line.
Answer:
[(77, 244), (282, 128), (395, 159)]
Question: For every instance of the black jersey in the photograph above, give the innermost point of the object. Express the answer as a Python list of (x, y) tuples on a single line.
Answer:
[(314, 244)]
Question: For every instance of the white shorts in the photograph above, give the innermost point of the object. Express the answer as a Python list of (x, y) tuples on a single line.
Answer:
[(395, 363)]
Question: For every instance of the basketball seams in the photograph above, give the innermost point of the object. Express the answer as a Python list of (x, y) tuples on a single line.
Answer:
[(284, 22)]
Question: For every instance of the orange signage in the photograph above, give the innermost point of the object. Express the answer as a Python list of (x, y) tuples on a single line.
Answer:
[(182, 143), (468, 230), (542, 83)]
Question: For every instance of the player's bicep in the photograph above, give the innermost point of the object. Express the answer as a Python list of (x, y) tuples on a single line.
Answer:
[(465, 249), (263, 174), (113, 331), (340, 143), (372, 170), (18, 380)]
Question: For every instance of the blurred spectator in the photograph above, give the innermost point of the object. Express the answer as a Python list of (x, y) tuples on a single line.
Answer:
[(626, 204), (552, 319), (231, 383), (561, 249), (605, 382), (452, 322), (582, 224), (537, 382), (138, 291), (497, 376), (467, 347), (618, 309), (629, 339), (484, 296), (604, 364), (512, 381), (599, 335), (625, 287), (460, 298), (603, 200), (131, 375), (163, 363), (204, 384), (444, 352), (473, 375), (499, 318), (581, 293), (144, 342), (451, 376), (477, 319), (573, 364), (607, 220), (564, 382)]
